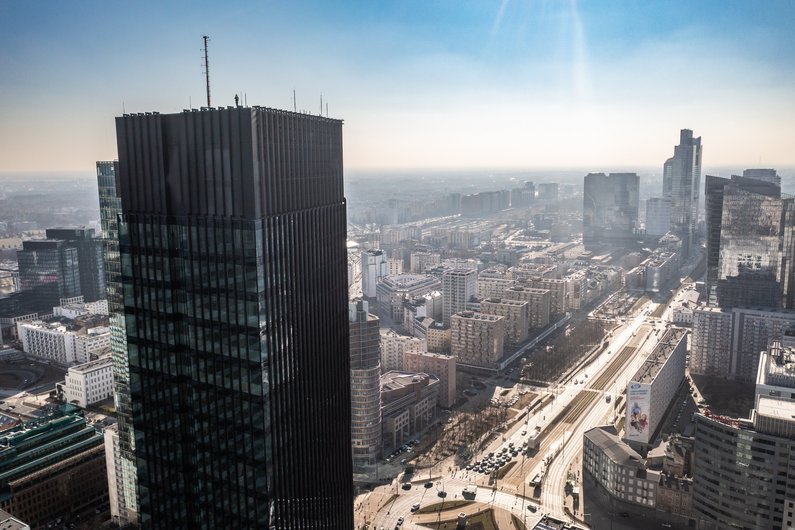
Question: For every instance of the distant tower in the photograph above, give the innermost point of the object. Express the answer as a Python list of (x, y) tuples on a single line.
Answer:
[(682, 184)]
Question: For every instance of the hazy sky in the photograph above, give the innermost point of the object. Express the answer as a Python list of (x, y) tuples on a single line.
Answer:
[(423, 83)]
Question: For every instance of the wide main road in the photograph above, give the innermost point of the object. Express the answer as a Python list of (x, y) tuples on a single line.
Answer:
[(599, 413)]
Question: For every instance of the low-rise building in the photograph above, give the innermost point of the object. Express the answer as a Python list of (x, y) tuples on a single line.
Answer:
[(618, 468), (54, 341), (52, 467), (408, 405), (393, 348), (87, 383)]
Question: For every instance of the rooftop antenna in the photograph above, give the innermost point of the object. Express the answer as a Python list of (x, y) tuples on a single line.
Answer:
[(326, 108), (207, 68), (321, 103), (295, 106)]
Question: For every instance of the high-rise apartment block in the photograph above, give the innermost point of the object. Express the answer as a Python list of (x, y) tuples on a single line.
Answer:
[(439, 365), (711, 342), (458, 287), (233, 264), (393, 349), (421, 261), (492, 283), (374, 267), (538, 300), (516, 317), (682, 185), (365, 343), (477, 339), (610, 208)]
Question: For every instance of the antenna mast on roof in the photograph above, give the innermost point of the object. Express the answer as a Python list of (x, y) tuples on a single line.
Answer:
[(207, 68)]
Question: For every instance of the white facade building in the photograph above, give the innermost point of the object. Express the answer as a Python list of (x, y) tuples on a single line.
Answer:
[(89, 383), (393, 348), (51, 340), (374, 267), (458, 286)]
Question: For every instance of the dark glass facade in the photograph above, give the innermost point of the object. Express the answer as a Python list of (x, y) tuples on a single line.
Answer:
[(234, 273), (89, 254), (610, 209), (48, 271)]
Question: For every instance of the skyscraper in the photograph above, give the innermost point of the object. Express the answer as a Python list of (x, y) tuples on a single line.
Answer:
[(49, 270), (658, 216), (365, 384), (125, 506), (233, 262), (682, 185), (89, 255), (610, 208), (749, 239)]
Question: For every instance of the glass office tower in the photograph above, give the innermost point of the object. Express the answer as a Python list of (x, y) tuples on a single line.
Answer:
[(109, 209), (234, 273)]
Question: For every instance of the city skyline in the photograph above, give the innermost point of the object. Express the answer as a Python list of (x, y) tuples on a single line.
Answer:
[(498, 85)]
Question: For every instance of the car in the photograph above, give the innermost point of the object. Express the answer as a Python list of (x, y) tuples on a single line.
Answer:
[(624, 514), (666, 525), (428, 484), (532, 508), (524, 433), (406, 485), (442, 494), (400, 521), (415, 507)]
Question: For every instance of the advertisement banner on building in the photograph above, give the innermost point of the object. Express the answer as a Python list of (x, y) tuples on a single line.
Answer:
[(638, 401)]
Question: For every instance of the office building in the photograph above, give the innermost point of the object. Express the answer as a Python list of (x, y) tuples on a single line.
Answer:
[(610, 209), (109, 209), (55, 342), (374, 268), (477, 339), (749, 242), (438, 365), (743, 467), (682, 185), (753, 330), (87, 383), (48, 271), (408, 402), (89, 256), (618, 468), (9, 522), (766, 175), (51, 468), (365, 384), (233, 261), (547, 191), (658, 216), (458, 288), (653, 387)]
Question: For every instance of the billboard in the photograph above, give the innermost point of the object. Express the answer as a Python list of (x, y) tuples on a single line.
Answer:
[(636, 428)]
